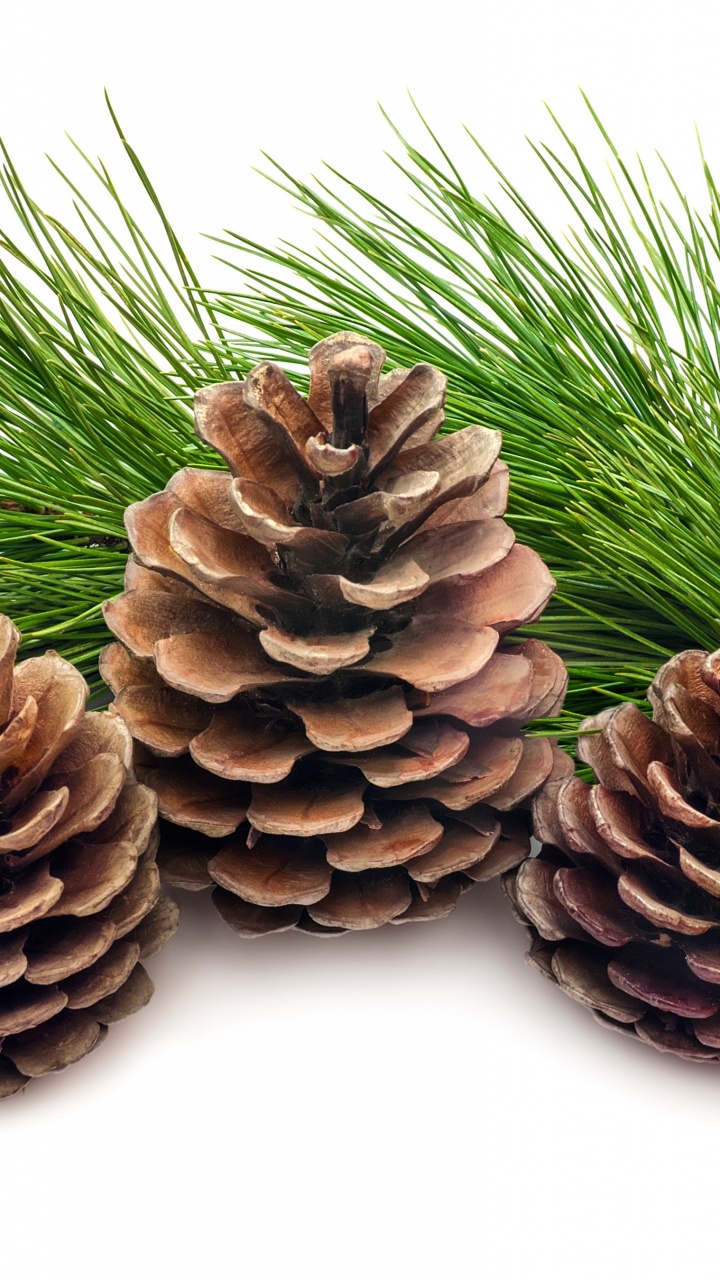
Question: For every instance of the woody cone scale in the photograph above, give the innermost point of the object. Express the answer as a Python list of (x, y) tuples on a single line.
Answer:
[(80, 902), (312, 652)]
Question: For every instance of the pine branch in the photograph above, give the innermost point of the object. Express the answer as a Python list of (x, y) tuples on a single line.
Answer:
[(104, 338), (597, 355)]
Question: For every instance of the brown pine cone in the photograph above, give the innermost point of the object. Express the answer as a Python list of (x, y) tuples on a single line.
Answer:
[(311, 652), (623, 900), (79, 886)]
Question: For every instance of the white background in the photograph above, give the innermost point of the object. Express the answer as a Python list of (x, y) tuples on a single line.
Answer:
[(413, 1102)]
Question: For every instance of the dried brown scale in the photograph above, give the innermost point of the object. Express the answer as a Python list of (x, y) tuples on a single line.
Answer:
[(80, 902), (623, 902), (313, 658)]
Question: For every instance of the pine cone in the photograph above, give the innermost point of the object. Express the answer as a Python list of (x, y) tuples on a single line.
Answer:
[(623, 906), (79, 886), (311, 652)]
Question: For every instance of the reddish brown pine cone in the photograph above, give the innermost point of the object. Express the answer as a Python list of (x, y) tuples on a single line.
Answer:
[(79, 887), (311, 652), (623, 902)]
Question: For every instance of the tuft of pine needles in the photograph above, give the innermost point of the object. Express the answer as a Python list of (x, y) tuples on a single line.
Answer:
[(597, 354), (104, 338)]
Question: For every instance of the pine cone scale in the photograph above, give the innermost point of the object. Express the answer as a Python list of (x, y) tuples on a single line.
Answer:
[(268, 390), (426, 755), (318, 655), (412, 655), (24, 1007), (93, 791), (133, 995), (457, 553), (501, 688), (704, 877), (324, 356), (586, 978), (364, 900), (15, 737), (29, 898), (9, 641), (332, 803), (274, 873), (13, 961), (405, 502), (224, 422), (251, 921), (663, 985), (403, 835), (34, 821), (209, 494), (590, 897), (502, 856), (166, 720), (217, 667), (371, 720), (90, 876), (414, 409), (703, 958), (192, 797), (237, 746), (147, 524), (104, 977), (137, 901), (60, 695), (535, 765), (463, 461), (61, 952), (53, 1045), (459, 848)]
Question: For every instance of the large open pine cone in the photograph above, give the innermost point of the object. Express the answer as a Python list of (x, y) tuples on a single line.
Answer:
[(623, 900), (310, 652), (79, 886)]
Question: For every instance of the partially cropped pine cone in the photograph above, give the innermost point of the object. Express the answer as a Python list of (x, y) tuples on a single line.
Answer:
[(623, 901), (310, 652), (79, 886)]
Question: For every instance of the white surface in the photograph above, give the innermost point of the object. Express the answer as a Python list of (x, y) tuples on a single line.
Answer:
[(414, 1102)]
